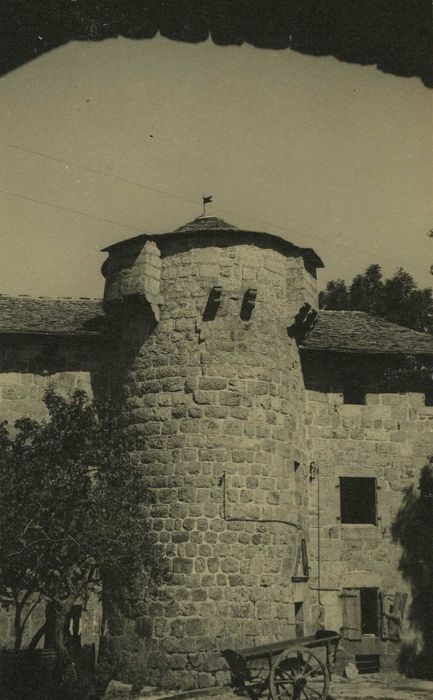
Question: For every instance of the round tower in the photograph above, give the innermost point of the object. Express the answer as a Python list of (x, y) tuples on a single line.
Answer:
[(211, 394)]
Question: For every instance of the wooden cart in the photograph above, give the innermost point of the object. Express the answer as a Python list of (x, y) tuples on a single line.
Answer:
[(296, 669)]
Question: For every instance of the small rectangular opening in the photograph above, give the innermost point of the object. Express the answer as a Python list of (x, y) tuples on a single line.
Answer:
[(428, 396), (367, 663), (369, 611), (296, 466), (299, 619), (354, 395), (358, 500), (302, 569)]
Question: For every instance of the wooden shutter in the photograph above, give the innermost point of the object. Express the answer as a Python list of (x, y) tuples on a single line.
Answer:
[(376, 503), (393, 607), (397, 612), (403, 604), (386, 600), (351, 608)]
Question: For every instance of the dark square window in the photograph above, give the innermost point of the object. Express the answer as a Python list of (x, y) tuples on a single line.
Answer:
[(354, 394), (428, 396), (358, 500)]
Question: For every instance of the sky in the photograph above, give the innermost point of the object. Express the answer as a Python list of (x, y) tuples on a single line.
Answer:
[(102, 141)]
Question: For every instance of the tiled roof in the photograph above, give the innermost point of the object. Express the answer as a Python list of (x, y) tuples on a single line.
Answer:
[(47, 316), (334, 331), (357, 331)]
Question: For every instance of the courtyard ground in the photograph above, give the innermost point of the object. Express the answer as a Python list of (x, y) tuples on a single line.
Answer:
[(380, 686), (390, 686), (372, 687)]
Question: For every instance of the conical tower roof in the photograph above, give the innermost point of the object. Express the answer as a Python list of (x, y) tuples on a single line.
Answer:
[(206, 223)]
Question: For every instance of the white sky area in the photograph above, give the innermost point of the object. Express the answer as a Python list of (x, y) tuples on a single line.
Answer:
[(326, 154)]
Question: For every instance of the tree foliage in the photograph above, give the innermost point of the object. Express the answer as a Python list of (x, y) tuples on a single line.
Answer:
[(397, 299), (72, 513), (413, 530)]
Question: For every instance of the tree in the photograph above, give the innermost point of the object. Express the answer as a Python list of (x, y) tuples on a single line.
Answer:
[(336, 296), (72, 514), (413, 530), (397, 299), (367, 291)]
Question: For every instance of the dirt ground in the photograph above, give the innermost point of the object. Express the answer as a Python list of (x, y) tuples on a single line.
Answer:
[(372, 687), (390, 686), (380, 686)]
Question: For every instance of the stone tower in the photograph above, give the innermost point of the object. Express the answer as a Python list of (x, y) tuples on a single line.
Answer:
[(208, 376)]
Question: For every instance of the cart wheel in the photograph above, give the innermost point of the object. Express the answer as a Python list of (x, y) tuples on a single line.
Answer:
[(297, 674)]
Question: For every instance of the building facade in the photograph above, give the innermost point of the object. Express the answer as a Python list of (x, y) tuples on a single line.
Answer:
[(278, 441)]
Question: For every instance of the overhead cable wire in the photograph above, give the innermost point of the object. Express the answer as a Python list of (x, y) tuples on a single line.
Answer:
[(73, 211), (327, 241)]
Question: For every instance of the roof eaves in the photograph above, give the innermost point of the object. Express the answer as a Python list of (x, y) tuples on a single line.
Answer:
[(119, 244), (365, 351), (65, 334), (308, 253)]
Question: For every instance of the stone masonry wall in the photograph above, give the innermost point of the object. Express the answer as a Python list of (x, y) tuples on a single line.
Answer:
[(214, 407), (390, 438), (136, 275), (301, 285), (28, 365)]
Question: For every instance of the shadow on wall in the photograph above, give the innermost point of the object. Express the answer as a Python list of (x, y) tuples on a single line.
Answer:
[(413, 530), (131, 323)]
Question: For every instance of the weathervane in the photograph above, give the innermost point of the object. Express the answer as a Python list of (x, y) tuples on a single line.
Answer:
[(206, 200)]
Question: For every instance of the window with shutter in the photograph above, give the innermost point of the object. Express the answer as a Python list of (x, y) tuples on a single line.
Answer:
[(351, 609)]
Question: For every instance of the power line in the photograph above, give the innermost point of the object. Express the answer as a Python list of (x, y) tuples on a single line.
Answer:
[(138, 231), (99, 172), (157, 190), (128, 181), (165, 193), (73, 211)]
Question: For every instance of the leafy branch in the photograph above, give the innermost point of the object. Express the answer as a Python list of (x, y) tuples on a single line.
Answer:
[(71, 519)]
